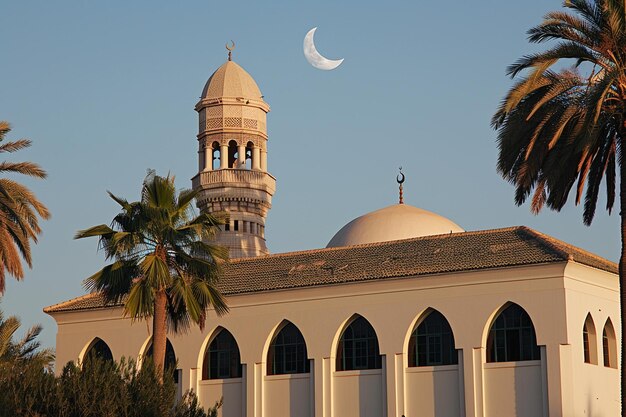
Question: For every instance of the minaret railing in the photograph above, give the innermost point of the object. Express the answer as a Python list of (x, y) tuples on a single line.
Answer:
[(231, 175)]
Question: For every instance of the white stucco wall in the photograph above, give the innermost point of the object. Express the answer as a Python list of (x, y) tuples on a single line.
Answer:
[(229, 390), (513, 389), (594, 388), (432, 391), (358, 393), (556, 297), (287, 395)]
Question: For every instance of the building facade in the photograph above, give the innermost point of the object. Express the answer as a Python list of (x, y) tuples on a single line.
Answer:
[(403, 314)]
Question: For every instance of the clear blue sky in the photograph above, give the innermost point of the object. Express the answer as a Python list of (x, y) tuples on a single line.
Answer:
[(106, 90)]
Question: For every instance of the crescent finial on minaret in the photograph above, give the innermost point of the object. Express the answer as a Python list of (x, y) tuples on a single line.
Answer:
[(230, 49), (400, 179)]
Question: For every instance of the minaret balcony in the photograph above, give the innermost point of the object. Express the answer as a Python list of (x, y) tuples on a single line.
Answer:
[(237, 178)]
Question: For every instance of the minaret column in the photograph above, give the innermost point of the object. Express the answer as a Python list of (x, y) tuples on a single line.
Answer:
[(223, 156), (256, 156), (241, 151), (208, 159), (201, 161), (263, 160)]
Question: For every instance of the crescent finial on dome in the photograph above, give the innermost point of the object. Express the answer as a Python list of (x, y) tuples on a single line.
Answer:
[(400, 179), (230, 49)]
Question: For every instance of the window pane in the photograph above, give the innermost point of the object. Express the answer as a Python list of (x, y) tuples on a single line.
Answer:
[(434, 342), (358, 347), (289, 352), (223, 364), (223, 357), (512, 337)]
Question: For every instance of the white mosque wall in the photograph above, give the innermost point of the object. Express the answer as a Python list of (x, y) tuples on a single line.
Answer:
[(598, 394), (358, 393), (557, 299), (432, 391), (595, 386), (513, 389), (229, 390), (287, 395)]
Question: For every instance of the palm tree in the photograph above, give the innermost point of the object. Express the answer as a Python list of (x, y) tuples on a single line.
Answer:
[(26, 349), (19, 211), (562, 126), (163, 268)]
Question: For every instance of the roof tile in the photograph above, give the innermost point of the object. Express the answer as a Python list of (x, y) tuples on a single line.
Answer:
[(498, 248)]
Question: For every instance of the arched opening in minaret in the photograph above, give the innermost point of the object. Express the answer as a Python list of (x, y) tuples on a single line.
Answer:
[(215, 155), (249, 147), (233, 154)]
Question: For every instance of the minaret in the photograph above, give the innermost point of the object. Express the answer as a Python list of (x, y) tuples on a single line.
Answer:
[(232, 174)]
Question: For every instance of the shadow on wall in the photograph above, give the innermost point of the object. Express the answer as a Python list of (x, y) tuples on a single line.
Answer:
[(446, 393), (370, 395), (299, 398), (255, 248), (528, 390), (589, 410), (366, 408)]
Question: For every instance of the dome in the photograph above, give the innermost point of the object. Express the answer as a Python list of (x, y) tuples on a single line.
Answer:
[(396, 222), (230, 80)]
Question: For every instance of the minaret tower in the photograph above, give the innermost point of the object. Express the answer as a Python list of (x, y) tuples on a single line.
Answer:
[(232, 174)]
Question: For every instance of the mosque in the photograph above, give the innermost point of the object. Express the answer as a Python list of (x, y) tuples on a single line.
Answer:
[(404, 313)]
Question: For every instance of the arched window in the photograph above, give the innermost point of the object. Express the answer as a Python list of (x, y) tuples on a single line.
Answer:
[(432, 342), (170, 358), (512, 337), (215, 158), (358, 347), (98, 350), (249, 147), (590, 343), (287, 353), (609, 345), (233, 154), (221, 359)]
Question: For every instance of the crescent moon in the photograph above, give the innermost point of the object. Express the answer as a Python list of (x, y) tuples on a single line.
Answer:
[(314, 57), (400, 178)]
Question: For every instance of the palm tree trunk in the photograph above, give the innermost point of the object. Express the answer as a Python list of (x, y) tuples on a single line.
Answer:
[(622, 266), (159, 332)]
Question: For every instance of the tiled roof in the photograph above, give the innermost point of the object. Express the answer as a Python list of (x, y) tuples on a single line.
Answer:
[(498, 248)]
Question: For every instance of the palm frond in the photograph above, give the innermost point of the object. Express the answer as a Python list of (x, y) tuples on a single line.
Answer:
[(100, 230), (121, 201), (558, 130), (15, 145), (544, 60), (140, 302), (114, 281), (27, 348), (8, 327), (26, 168), (155, 271), (19, 211)]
